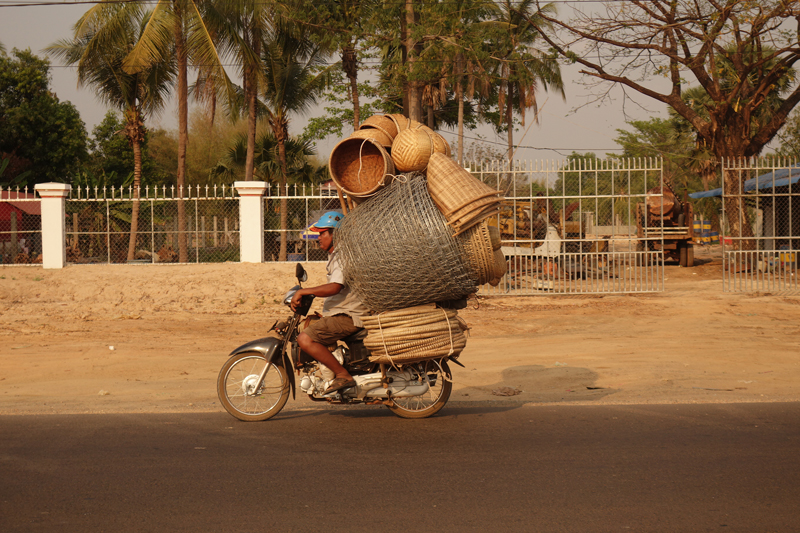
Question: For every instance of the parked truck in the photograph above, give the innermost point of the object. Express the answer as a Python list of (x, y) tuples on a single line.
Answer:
[(665, 223)]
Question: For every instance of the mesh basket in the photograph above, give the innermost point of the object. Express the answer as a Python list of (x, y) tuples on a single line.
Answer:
[(397, 251), (383, 123), (359, 166), (494, 237), (375, 134), (412, 149)]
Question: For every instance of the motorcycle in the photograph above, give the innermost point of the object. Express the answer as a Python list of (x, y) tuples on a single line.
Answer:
[(255, 382)]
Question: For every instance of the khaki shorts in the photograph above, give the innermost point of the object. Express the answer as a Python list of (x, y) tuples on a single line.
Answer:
[(329, 329)]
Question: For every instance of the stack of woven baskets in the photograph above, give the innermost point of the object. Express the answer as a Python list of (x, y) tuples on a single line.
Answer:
[(414, 334), (367, 160), (430, 259)]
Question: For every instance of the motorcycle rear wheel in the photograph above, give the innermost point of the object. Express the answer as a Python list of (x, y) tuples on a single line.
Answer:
[(236, 385), (432, 401)]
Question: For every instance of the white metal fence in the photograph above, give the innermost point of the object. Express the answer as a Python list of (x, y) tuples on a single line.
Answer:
[(195, 225), (20, 227), (761, 225), (571, 227)]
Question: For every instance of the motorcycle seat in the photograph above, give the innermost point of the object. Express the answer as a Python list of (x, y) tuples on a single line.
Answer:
[(358, 336)]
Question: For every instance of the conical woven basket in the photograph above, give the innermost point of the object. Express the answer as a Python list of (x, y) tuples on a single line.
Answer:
[(375, 134), (452, 187), (383, 123), (360, 166), (412, 149)]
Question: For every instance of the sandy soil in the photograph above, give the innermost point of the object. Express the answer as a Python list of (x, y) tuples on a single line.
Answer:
[(103, 339)]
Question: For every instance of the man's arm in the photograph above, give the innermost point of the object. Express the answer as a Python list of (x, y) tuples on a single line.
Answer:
[(320, 291)]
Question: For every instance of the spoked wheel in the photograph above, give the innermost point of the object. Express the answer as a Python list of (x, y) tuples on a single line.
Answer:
[(241, 394), (439, 379)]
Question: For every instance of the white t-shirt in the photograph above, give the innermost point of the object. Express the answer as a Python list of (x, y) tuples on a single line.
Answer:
[(346, 302)]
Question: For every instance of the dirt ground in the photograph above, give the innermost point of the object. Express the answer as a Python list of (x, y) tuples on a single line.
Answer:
[(151, 338)]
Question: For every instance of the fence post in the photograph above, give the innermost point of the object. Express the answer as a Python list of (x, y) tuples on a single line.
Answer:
[(251, 220), (54, 223)]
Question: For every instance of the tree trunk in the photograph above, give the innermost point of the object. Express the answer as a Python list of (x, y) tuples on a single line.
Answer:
[(137, 184), (350, 67), (460, 98), (281, 138), (183, 134), (251, 95), (414, 100), (736, 211), (509, 122)]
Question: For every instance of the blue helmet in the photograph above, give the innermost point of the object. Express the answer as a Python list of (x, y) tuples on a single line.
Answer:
[(330, 220)]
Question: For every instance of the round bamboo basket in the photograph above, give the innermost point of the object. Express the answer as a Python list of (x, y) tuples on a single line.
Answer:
[(375, 134), (478, 252), (500, 264), (494, 237), (360, 166), (383, 123), (412, 149), (401, 122), (440, 144)]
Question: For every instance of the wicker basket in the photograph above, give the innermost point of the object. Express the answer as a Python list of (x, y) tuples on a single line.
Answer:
[(495, 238), (375, 134), (412, 149), (414, 334), (478, 252), (440, 144), (360, 166), (452, 187), (383, 123), (401, 122)]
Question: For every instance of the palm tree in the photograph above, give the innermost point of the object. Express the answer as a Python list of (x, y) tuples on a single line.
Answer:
[(267, 160), (186, 24), (99, 48), (523, 68), (242, 25), (295, 74)]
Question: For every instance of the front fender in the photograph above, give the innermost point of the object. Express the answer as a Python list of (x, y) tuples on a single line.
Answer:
[(270, 347)]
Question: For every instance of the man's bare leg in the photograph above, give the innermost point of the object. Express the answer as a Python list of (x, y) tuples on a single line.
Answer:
[(321, 353)]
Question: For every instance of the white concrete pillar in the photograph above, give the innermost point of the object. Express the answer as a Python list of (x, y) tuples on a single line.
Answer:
[(54, 225), (251, 220)]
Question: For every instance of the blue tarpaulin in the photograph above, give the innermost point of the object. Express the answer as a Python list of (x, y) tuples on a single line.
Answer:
[(778, 178)]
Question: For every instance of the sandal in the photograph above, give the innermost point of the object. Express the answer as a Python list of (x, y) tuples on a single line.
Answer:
[(339, 384)]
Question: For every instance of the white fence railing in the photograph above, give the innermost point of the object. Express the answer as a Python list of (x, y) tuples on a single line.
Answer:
[(761, 225)]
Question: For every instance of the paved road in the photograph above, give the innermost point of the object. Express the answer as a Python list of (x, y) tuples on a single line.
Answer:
[(543, 468)]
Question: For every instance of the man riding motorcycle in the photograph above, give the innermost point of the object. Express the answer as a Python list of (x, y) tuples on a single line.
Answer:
[(341, 311)]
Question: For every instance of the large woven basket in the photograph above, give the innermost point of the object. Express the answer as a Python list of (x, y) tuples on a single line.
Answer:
[(414, 334), (383, 123), (401, 122), (375, 134), (360, 166), (478, 252), (440, 144), (452, 187), (411, 150)]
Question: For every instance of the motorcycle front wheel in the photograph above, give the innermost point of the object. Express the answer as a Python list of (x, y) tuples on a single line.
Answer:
[(241, 394), (431, 402)]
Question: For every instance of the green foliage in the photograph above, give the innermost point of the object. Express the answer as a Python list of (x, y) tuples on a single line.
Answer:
[(38, 133), (789, 137)]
